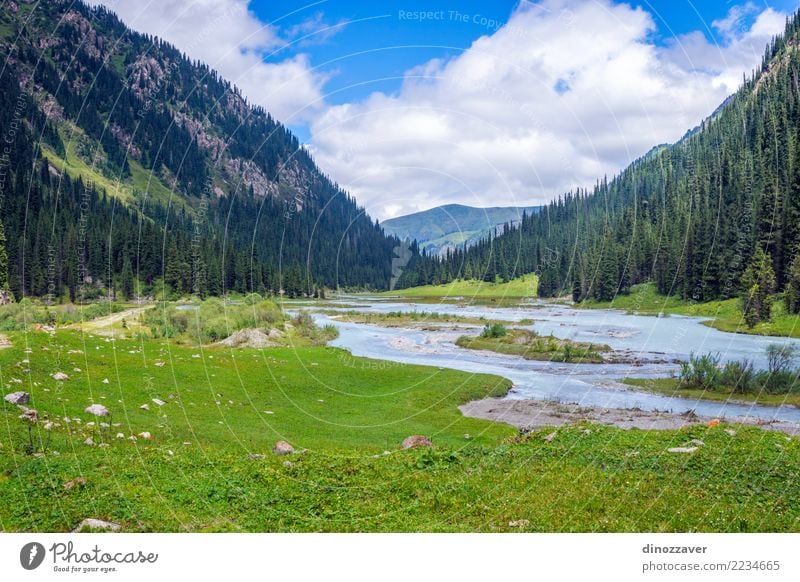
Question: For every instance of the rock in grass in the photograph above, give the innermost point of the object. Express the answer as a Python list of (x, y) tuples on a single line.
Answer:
[(686, 450), (89, 442), (145, 435), (730, 432), (549, 438), (697, 443), (144, 407), (97, 410), (18, 398), (60, 376), (415, 441), (77, 481), (283, 448), (158, 401), (91, 523)]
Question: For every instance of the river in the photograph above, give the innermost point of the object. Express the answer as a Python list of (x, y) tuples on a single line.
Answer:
[(651, 340)]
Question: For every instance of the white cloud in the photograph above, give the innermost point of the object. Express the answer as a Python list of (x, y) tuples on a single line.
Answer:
[(231, 39), (565, 92)]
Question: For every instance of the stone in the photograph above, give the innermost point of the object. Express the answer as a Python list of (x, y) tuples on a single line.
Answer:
[(145, 435), (145, 407), (685, 450), (89, 442), (74, 483), (255, 456), (105, 380), (97, 410), (92, 523), (283, 448), (30, 415), (697, 442), (730, 432), (60, 376), (415, 441), (519, 523), (158, 401), (549, 438), (18, 398)]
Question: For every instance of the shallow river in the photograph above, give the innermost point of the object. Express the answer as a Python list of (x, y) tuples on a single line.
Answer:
[(652, 340)]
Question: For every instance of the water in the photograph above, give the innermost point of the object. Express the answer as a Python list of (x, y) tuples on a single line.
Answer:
[(652, 340)]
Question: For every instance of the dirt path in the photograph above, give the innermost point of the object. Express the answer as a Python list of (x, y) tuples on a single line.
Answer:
[(109, 320), (534, 414)]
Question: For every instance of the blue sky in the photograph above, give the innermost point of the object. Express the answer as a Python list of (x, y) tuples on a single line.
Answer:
[(358, 66), (482, 103)]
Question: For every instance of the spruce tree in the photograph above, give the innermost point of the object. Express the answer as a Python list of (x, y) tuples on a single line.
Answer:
[(759, 284)]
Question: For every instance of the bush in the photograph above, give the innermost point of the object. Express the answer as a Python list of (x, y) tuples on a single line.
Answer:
[(494, 330), (739, 376), (701, 371)]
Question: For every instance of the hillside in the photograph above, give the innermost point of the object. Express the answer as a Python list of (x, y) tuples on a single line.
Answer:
[(206, 192), (453, 225), (690, 217)]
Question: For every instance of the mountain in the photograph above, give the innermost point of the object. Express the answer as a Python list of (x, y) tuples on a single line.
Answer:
[(129, 167), (694, 217), (453, 225)]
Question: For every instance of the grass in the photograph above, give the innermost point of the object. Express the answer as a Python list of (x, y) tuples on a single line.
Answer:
[(674, 387), (521, 288), (725, 314), (525, 343), (314, 397), (140, 180), (590, 478)]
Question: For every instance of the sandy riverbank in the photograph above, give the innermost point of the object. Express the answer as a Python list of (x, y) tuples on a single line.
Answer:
[(532, 414)]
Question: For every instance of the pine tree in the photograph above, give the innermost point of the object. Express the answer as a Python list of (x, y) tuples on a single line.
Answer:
[(792, 293), (759, 285)]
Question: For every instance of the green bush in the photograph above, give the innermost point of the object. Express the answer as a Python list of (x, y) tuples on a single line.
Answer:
[(495, 330)]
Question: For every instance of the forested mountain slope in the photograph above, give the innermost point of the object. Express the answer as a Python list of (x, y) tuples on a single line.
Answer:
[(127, 165), (691, 216)]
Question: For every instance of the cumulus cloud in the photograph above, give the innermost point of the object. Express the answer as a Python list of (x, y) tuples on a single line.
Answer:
[(565, 92), (231, 39)]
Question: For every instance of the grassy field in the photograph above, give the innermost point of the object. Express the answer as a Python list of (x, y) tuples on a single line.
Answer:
[(520, 288), (522, 342), (209, 465), (674, 387), (589, 478), (726, 315)]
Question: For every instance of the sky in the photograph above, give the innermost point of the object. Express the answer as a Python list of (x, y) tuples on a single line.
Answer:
[(412, 104)]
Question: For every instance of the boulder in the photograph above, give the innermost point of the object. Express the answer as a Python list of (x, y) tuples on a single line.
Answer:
[(283, 448), (415, 441), (18, 398), (96, 409), (94, 524)]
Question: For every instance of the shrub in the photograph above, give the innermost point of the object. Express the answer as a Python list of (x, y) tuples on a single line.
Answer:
[(495, 330), (701, 371), (739, 376)]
